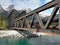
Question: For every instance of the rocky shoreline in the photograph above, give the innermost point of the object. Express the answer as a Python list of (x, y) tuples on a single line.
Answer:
[(10, 34)]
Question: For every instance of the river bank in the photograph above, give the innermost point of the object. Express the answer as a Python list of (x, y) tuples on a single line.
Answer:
[(10, 34), (16, 34)]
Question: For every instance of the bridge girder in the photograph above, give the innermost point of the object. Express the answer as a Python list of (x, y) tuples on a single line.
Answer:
[(51, 4), (42, 8)]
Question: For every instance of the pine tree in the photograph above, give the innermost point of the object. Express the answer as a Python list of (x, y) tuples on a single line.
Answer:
[(3, 22), (1, 19)]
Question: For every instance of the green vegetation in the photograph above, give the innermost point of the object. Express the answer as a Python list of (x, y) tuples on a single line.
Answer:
[(3, 22)]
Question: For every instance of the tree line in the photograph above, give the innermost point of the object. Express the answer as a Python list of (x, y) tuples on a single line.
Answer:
[(3, 22)]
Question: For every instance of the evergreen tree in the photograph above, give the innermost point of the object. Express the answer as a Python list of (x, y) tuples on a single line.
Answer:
[(1, 19), (3, 22)]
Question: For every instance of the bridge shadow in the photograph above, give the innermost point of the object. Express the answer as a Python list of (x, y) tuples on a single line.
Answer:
[(27, 34)]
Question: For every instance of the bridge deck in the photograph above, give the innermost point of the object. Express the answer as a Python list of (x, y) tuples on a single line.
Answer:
[(25, 29), (41, 30)]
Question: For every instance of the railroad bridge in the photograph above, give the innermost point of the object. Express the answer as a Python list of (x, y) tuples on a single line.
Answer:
[(27, 21)]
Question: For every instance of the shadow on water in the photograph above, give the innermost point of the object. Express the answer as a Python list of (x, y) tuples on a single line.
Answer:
[(43, 40)]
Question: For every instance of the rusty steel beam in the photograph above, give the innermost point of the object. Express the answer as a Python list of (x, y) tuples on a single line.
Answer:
[(39, 20), (42, 8), (32, 21), (24, 21), (51, 17)]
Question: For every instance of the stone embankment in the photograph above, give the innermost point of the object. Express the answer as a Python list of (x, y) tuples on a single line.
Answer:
[(10, 34)]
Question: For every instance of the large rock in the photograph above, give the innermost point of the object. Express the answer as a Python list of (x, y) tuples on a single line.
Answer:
[(10, 34)]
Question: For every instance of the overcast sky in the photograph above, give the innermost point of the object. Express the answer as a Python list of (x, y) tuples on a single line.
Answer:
[(22, 4)]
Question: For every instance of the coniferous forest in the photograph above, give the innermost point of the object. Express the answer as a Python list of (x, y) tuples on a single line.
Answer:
[(3, 22)]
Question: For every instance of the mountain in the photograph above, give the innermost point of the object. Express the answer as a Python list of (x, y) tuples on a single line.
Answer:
[(3, 12), (10, 7), (1, 9)]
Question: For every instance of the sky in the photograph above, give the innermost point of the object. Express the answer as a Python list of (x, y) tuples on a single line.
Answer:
[(25, 4)]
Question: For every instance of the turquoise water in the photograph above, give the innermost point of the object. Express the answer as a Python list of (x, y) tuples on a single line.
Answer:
[(43, 40)]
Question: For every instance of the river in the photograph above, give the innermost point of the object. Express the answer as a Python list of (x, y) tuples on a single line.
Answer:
[(43, 40)]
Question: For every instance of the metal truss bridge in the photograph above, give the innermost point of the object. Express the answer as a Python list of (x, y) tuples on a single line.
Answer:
[(26, 23)]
